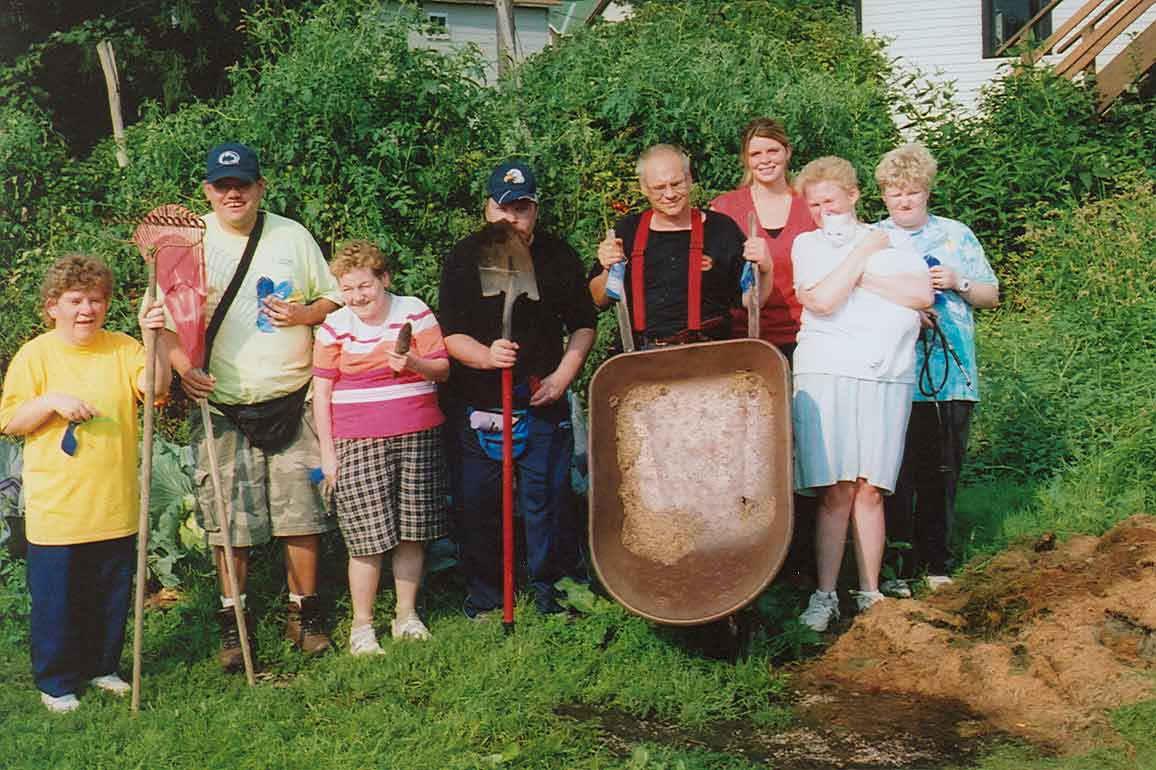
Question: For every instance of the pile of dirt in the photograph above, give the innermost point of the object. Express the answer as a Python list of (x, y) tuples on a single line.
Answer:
[(1040, 642)]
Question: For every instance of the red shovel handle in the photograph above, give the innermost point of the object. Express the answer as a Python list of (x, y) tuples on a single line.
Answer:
[(508, 499)]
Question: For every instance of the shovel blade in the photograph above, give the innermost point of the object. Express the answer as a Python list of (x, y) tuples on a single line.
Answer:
[(504, 264)]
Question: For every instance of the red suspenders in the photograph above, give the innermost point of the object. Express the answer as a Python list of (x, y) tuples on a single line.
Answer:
[(693, 272)]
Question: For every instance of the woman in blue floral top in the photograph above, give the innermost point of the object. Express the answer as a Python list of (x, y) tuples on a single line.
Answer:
[(923, 507)]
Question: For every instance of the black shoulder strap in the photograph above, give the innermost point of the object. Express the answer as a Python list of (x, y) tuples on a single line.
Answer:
[(233, 287)]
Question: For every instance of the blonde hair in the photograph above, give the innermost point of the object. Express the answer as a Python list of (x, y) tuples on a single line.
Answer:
[(909, 165), (829, 168), (74, 272), (765, 128), (359, 254), (661, 149)]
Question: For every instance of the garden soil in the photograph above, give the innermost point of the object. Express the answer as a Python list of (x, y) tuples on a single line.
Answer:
[(1038, 643)]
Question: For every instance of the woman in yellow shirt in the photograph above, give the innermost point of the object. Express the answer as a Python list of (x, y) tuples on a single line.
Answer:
[(72, 393)]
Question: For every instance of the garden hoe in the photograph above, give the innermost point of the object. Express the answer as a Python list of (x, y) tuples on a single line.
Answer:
[(505, 267)]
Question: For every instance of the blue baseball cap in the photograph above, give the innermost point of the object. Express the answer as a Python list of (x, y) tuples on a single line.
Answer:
[(232, 160), (512, 181)]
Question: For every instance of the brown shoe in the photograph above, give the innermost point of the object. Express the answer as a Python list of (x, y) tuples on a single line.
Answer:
[(231, 658), (303, 626)]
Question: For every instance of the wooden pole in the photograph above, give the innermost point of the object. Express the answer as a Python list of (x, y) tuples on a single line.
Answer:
[(224, 519), (112, 83), (507, 41), (146, 481)]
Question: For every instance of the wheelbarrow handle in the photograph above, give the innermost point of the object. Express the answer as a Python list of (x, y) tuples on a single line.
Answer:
[(754, 308)]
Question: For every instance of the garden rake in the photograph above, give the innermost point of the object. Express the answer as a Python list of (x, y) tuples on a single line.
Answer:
[(171, 239)]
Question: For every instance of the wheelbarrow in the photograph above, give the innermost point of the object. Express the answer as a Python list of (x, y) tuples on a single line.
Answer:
[(691, 485)]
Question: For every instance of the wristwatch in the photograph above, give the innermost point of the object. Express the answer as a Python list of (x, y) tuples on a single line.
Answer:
[(964, 286)]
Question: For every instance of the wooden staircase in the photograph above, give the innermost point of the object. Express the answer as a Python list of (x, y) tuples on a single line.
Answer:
[(1086, 34)]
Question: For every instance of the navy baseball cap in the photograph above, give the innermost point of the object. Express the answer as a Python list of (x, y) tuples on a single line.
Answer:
[(513, 181), (232, 160)]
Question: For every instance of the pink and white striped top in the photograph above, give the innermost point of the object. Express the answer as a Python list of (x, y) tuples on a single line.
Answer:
[(370, 400)]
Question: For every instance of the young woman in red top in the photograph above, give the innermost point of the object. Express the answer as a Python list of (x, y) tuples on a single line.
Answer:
[(782, 215)]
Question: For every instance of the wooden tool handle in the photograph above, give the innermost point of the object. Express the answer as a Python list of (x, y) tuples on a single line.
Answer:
[(146, 480), (754, 309)]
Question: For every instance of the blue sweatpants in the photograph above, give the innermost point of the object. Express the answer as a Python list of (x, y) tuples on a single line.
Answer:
[(544, 500), (80, 597)]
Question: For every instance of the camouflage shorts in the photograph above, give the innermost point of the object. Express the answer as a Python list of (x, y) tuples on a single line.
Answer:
[(272, 493)]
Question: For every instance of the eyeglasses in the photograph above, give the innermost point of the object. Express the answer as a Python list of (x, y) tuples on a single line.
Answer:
[(675, 187)]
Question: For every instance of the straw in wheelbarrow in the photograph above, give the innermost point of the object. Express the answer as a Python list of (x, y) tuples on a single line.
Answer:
[(505, 267)]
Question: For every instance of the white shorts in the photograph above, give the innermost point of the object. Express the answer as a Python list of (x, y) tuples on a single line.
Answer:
[(848, 429)]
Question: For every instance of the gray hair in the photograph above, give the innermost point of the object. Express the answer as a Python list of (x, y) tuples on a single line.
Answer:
[(661, 149)]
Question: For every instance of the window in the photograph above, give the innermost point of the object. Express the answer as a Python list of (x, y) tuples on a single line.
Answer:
[(1002, 19), (437, 26)]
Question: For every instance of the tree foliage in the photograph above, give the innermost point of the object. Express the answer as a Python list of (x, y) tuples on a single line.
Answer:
[(1036, 143), (171, 51)]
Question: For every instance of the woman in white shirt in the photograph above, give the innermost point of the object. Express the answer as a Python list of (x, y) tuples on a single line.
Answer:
[(854, 375)]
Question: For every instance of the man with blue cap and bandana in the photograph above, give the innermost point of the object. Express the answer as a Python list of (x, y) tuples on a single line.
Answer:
[(548, 344)]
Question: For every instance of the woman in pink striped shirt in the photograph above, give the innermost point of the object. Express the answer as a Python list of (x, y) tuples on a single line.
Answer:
[(379, 426)]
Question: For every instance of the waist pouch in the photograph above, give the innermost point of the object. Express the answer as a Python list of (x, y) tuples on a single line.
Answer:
[(270, 425), (488, 428)]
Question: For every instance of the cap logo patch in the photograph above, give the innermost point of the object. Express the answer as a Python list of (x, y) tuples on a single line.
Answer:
[(514, 176), (229, 158)]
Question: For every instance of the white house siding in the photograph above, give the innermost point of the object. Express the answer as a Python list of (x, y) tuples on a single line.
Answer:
[(944, 39), (468, 23)]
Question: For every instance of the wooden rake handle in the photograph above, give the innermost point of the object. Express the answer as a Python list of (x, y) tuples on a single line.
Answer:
[(146, 480)]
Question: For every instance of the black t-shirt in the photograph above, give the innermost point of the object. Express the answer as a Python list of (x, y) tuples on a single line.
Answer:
[(666, 273), (538, 326)]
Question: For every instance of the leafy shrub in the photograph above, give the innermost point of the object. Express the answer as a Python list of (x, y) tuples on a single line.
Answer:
[(1067, 374), (693, 73), (1037, 143)]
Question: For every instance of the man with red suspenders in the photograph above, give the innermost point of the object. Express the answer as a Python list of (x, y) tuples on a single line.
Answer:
[(682, 277)]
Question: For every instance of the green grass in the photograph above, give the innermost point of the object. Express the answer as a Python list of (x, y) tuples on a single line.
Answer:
[(473, 698)]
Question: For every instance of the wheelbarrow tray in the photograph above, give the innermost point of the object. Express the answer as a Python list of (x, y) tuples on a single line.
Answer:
[(690, 477)]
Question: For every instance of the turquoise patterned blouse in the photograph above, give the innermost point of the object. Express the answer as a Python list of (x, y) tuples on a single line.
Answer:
[(955, 246)]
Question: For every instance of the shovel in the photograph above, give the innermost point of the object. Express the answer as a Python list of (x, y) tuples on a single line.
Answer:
[(754, 310), (505, 267)]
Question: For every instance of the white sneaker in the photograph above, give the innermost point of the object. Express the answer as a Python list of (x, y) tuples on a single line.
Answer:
[(111, 683), (60, 704), (936, 582), (865, 600), (362, 641), (896, 588), (822, 608), (409, 627)]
